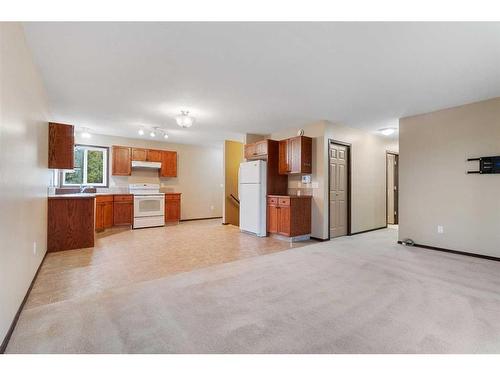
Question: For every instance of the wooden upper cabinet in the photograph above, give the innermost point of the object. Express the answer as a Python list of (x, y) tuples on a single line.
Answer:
[(295, 155), (168, 164), (122, 157), (256, 150), (139, 154), (283, 157), (154, 155), (61, 146)]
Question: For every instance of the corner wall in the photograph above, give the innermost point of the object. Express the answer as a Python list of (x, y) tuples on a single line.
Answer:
[(24, 176), (368, 175), (434, 187)]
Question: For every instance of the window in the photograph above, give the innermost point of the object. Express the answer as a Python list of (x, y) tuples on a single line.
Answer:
[(91, 167)]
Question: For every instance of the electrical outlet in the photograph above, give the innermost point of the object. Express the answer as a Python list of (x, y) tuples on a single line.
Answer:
[(34, 248), (440, 229)]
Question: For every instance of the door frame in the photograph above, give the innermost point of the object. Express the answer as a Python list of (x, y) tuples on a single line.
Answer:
[(396, 195), (349, 168)]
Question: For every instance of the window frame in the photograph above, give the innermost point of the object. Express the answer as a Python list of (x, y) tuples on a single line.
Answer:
[(105, 168)]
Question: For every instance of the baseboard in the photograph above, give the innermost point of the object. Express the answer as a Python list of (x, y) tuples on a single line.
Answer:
[(203, 218), (368, 230), (474, 255), (7, 337)]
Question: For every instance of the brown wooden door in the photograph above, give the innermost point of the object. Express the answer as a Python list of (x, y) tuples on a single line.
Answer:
[(123, 212), (168, 164), (107, 214), (121, 161), (283, 167), (172, 207), (61, 146), (284, 220), (272, 219), (294, 154), (139, 154), (305, 155), (261, 148), (99, 216), (154, 155), (250, 151)]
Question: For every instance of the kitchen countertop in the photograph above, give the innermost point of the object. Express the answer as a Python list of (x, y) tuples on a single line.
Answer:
[(289, 196), (72, 196)]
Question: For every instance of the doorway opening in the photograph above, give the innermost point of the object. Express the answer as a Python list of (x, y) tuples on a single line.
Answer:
[(392, 185), (339, 188)]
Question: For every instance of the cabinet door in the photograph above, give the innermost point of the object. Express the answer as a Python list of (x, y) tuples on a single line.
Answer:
[(61, 146), (261, 148), (168, 164), (272, 219), (284, 220), (154, 155), (250, 151), (172, 209), (121, 161), (294, 153), (283, 157), (306, 155), (123, 212), (99, 216), (139, 154), (107, 209)]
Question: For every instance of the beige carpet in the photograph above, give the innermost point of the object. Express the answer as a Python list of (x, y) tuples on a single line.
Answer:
[(360, 294)]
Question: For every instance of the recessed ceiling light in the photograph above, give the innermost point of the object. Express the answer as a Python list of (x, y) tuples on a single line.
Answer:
[(85, 133), (152, 134), (184, 120), (141, 131), (387, 131)]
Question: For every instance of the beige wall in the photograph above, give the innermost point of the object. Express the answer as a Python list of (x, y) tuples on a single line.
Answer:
[(24, 176), (434, 187), (368, 175), (233, 156), (199, 174)]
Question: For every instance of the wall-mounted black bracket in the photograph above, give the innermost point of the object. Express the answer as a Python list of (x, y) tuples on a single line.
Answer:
[(487, 165)]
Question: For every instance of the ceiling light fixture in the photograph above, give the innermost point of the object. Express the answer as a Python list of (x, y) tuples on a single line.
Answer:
[(152, 134), (141, 131), (184, 120), (387, 131), (85, 133)]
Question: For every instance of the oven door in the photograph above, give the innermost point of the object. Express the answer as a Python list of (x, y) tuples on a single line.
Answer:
[(149, 205)]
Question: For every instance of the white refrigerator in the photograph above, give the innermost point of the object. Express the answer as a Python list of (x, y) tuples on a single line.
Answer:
[(252, 189)]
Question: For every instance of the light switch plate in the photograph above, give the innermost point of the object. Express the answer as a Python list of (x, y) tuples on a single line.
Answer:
[(440, 229)]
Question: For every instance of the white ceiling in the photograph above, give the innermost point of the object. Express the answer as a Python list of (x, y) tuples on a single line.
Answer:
[(260, 77)]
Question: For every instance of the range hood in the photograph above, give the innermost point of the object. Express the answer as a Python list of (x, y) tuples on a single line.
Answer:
[(146, 164)]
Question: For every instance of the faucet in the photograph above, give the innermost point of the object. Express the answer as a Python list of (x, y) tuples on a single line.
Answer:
[(82, 189)]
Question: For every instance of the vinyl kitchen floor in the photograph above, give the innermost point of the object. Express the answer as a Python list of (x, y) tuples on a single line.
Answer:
[(122, 257)]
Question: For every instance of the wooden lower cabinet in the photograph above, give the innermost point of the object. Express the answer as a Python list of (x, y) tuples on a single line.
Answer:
[(103, 212), (123, 209), (111, 210), (172, 207), (289, 215), (70, 223)]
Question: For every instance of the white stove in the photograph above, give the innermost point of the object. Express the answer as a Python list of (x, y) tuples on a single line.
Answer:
[(149, 205)]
